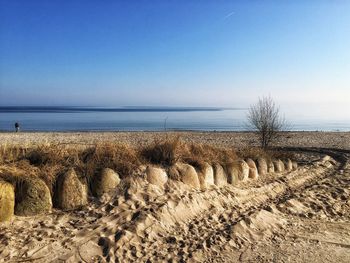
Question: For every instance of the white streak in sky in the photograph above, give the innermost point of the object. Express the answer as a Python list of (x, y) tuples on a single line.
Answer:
[(229, 15)]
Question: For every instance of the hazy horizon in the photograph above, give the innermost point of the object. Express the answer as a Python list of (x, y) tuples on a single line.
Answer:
[(183, 53), (55, 118)]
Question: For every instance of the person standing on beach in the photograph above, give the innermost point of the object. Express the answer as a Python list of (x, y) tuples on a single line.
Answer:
[(17, 126)]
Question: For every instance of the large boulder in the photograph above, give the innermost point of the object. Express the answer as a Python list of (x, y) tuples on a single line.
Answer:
[(282, 165), (174, 173), (32, 197), (156, 176), (279, 166), (233, 172), (206, 176), (243, 170), (253, 171), (220, 177), (288, 165), (71, 192), (262, 166), (105, 182), (188, 175), (326, 158), (270, 167), (7, 201), (294, 165)]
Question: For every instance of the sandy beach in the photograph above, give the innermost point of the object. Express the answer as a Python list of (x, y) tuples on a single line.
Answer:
[(174, 131), (296, 215), (340, 140)]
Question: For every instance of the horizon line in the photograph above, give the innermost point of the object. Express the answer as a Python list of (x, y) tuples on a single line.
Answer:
[(48, 109)]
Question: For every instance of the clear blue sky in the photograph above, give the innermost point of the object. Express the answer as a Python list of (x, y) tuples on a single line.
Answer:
[(188, 53)]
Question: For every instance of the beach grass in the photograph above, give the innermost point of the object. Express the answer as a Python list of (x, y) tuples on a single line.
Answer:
[(49, 160)]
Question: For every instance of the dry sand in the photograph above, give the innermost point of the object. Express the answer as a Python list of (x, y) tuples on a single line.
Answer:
[(298, 216), (339, 140)]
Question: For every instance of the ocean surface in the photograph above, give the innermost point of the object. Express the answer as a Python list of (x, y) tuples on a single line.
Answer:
[(145, 119)]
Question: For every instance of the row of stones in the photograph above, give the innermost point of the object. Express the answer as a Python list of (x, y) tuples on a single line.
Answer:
[(33, 197), (219, 175)]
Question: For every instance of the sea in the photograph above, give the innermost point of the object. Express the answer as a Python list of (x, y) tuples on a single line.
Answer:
[(37, 118)]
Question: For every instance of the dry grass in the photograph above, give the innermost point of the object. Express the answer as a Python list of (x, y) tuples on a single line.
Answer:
[(269, 155), (164, 152), (17, 174), (51, 160), (197, 154), (10, 154), (167, 152), (120, 157)]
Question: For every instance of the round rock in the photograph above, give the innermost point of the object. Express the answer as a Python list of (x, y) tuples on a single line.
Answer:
[(206, 176), (71, 192), (262, 166), (105, 182), (7, 201), (288, 165), (279, 166), (220, 178), (294, 165), (32, 198), (156, 176), (270, 167), (253, 171), (188, 175)]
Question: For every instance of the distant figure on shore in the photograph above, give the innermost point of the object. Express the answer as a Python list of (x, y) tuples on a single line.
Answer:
[(17, 126)]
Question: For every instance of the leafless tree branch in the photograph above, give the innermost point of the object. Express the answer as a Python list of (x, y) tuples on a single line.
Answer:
[(264, 118)]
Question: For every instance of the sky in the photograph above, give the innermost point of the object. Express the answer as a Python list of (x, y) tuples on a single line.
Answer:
[(176, 53)]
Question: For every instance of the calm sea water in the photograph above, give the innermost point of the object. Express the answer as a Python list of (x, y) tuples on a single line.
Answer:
[(143, 119)]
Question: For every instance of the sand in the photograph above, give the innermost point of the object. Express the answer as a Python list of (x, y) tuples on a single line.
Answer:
[(340, 140), (296, 216)]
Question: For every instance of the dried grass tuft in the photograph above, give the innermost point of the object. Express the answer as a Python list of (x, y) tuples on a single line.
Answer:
[(11, 153), (199, 154), (122, 158), (169, 151), (162, 152)]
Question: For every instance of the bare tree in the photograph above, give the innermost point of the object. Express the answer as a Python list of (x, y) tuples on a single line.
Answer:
[(264, 118)]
